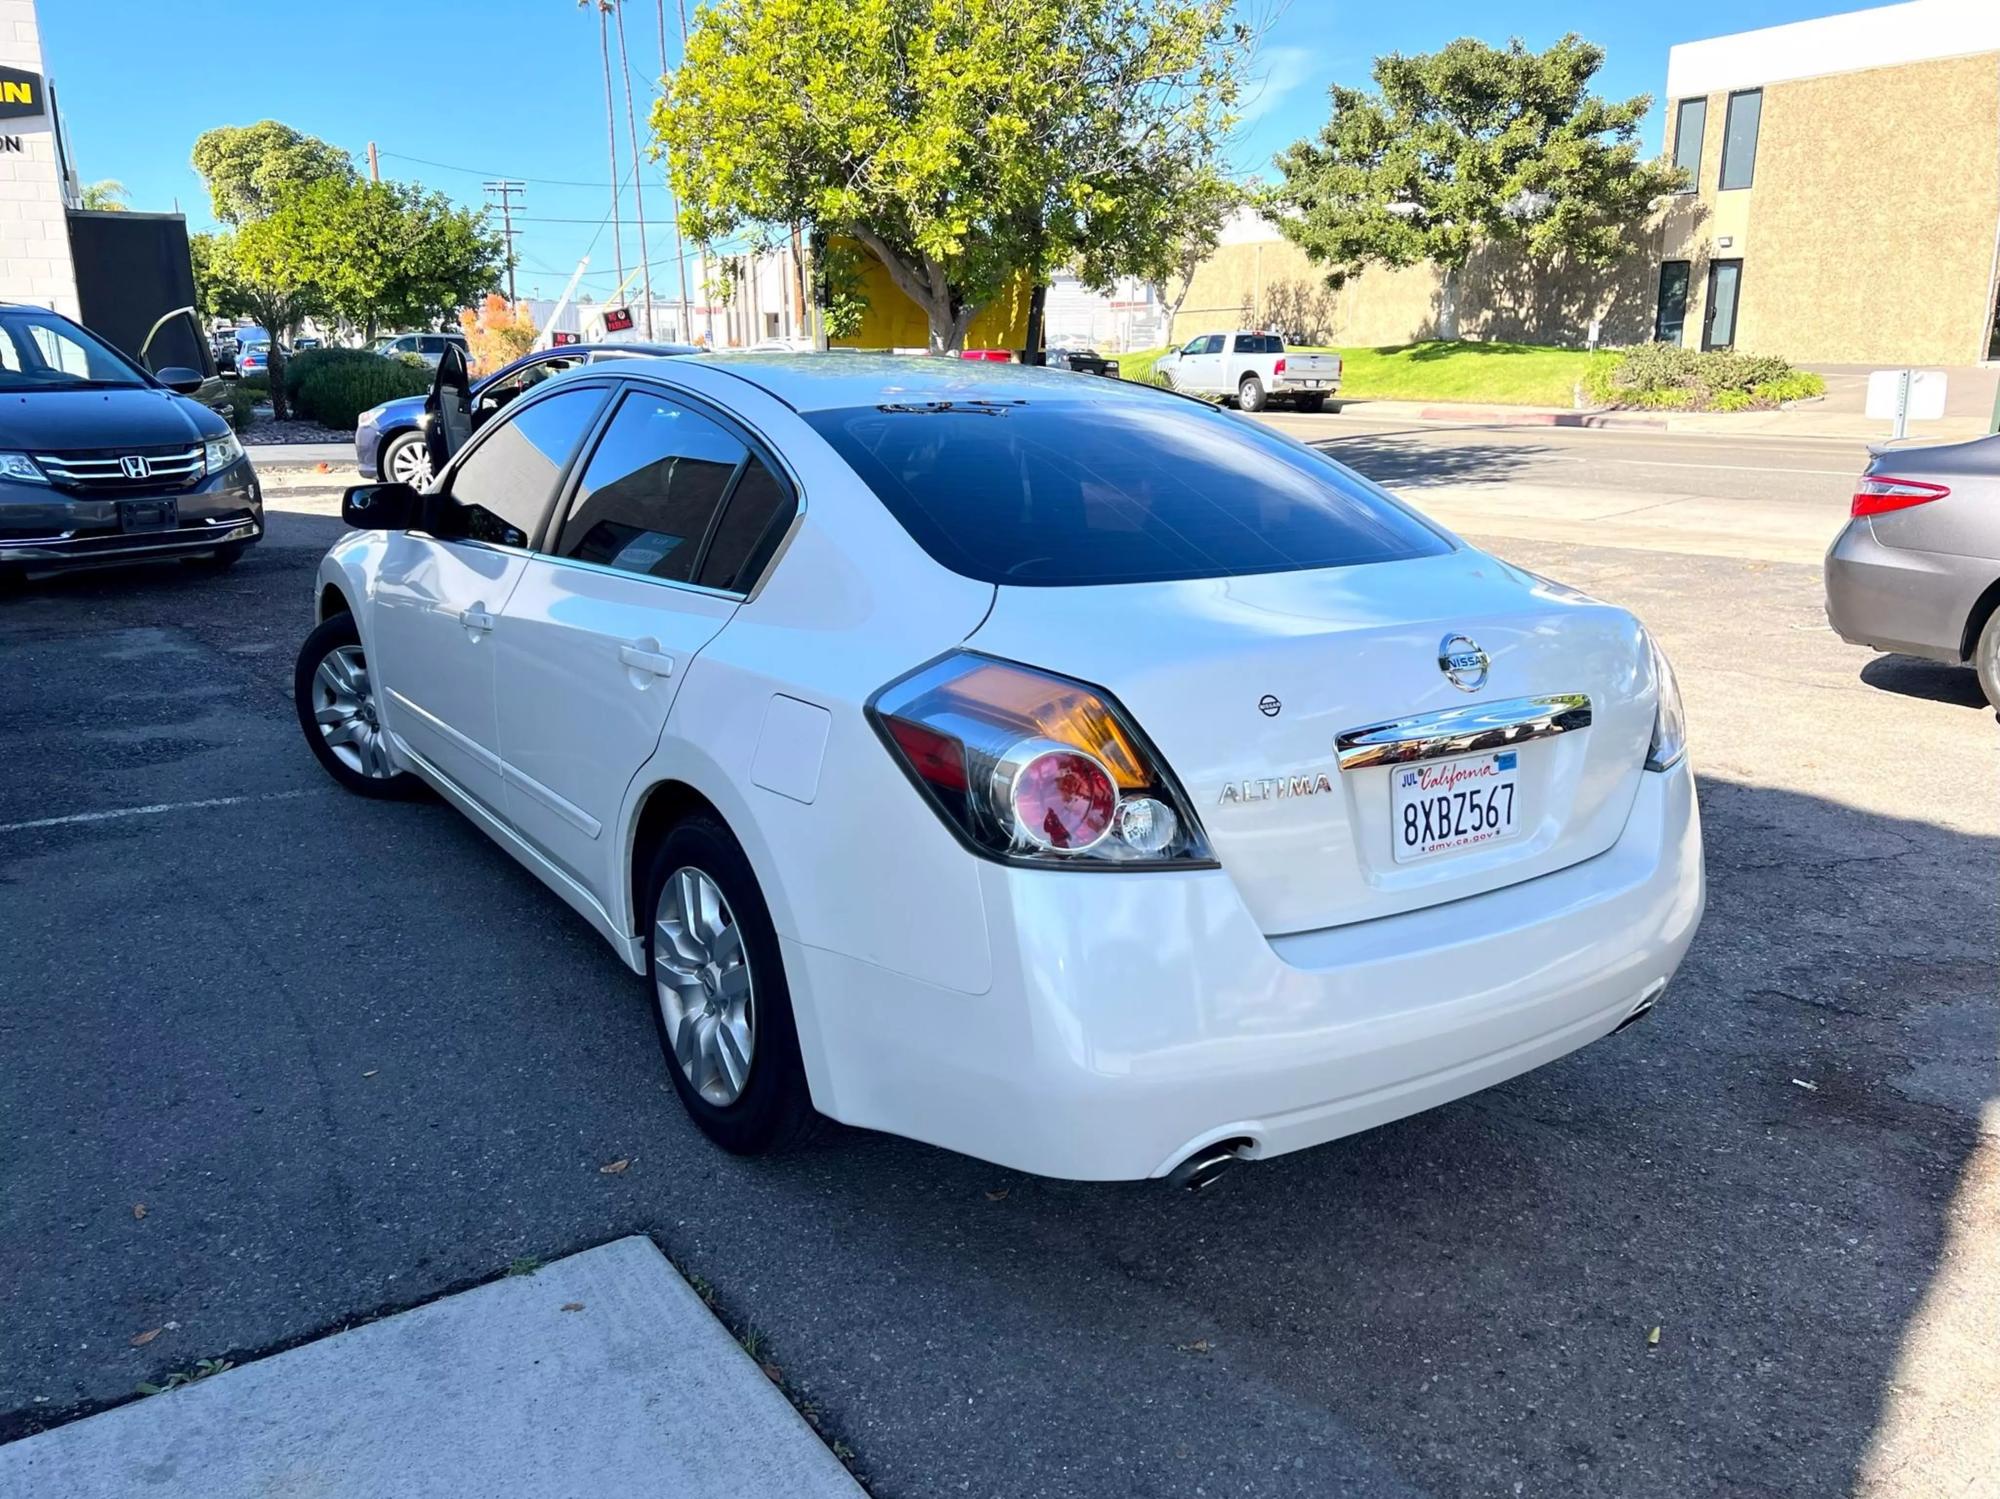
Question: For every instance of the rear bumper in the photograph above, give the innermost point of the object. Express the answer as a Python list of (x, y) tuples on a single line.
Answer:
[(1893, 599), (42, 528), (1134, 1018)]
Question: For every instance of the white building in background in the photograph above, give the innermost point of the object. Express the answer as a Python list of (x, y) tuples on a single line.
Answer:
[(36, 188), (1129, 316)]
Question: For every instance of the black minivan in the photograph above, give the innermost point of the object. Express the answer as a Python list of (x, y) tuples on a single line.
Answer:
[(102, 462)]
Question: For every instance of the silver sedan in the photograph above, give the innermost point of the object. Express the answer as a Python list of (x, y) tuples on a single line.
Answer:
[(1916, 572)]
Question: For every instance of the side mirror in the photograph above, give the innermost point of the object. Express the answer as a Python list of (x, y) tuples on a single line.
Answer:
[(382, 507), (181, 380)]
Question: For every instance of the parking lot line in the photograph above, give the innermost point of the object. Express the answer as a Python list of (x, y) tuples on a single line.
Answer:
[(155, 809)]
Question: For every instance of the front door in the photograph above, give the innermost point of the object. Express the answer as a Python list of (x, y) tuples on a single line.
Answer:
[(597, 640), (1718, 319), (1200, 364), (438, 596)]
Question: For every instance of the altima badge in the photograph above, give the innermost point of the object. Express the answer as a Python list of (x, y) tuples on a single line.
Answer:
[(1463, 663), (1270, 788)]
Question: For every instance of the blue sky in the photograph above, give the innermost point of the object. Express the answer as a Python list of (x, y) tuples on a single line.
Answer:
[(456, 90)]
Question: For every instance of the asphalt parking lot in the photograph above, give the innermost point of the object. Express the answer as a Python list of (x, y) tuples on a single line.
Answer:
[(346, 1055)]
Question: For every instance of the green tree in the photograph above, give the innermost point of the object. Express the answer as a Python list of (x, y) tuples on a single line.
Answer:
[(107, 195), (915, 130), (267, 270), (1467, 144), (249, 168), (390, 255)]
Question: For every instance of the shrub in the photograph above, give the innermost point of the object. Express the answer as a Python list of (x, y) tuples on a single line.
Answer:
[(334, 392), (1670, 377), (241, 404)]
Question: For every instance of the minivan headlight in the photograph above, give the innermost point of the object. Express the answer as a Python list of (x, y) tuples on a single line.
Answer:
[(219, 452), (1669, 719), (20, 468)]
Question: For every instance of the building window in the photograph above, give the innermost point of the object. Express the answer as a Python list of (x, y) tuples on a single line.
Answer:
[(1739, 138), (1670, 318), (1690, 120)]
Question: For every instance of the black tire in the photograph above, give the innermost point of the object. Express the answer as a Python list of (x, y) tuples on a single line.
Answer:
[(333, 634), (1311, 405), (1250, 394), (1986, 658), (393, 448), (773, 1111), (227, 556)]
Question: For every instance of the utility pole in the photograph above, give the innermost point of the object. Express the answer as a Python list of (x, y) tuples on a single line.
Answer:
[(374, 164), (611, 139), (684, 324), (708, 312), (506, 187), (638, 175)]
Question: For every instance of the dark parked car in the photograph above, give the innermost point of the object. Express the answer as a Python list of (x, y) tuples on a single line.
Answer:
[(1083, 361), (102, 462), (388, 443)]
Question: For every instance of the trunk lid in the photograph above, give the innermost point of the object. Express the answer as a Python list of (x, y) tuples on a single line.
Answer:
[(1244, 684)]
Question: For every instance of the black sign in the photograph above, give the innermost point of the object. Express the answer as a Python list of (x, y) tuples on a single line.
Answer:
[(617, 319), (20, 94), (559, 337)]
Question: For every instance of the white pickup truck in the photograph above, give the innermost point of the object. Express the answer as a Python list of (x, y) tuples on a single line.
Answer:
[(1252, 367)]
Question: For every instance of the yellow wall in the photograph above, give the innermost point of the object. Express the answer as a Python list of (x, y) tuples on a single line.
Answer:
[(893, 321), (1867, 234)]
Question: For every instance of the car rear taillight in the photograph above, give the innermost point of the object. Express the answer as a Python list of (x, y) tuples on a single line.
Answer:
[(1279, 367), (1878, 494), (1032, 768)]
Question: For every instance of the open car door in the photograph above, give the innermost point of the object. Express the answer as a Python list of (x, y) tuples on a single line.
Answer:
[(448, 408)]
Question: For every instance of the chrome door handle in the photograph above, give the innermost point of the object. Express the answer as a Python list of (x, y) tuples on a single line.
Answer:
[(475, 618), (639, 658)]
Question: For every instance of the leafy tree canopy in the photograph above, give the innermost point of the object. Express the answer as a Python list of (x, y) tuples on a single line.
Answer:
[(959, 144), (391, 255), (1469, 143), (248, 168)]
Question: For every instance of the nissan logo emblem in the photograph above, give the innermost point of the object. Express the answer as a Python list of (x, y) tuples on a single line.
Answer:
[(1463, 663)]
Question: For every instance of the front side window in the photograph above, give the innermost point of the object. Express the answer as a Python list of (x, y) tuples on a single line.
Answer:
[(1739, 138), (1690, 121), (431, 343), (40, 351), (506, 485), (1074, 493), (651, 489), (1212, 344)]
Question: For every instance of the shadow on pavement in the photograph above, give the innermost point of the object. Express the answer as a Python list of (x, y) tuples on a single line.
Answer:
[(1388, 459), (1912, 676)]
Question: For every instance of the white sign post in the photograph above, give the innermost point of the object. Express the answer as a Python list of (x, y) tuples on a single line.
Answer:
[(1905, 396)]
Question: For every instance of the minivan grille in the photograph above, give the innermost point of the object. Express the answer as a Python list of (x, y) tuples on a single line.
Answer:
[(103, 472)]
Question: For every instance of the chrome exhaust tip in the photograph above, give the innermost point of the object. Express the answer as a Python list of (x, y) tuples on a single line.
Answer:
[(1643, 1008), (1205, 1167)]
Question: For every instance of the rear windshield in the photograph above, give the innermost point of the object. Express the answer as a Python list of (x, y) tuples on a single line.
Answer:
[(1071, 493)]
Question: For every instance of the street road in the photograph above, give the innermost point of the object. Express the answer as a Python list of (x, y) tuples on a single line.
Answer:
[(347, 1055)]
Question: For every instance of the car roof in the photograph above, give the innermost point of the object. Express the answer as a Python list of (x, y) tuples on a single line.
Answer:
[(830, 381)]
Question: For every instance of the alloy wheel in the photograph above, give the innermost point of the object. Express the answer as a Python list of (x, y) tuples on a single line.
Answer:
[(344, 709), (410, 464), (706, 993)]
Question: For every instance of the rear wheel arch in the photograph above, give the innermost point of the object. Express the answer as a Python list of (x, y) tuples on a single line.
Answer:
[(665, 805), (1975, 619)]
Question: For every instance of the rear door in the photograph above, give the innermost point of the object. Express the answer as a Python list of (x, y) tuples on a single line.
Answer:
[(670, 518)]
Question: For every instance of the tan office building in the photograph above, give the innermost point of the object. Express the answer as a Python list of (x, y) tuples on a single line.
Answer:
[(1846, 188)]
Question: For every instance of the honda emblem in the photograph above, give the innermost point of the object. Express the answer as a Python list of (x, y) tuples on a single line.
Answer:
[(135, 467)]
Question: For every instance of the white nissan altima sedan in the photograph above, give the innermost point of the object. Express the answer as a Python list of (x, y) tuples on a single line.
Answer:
[(1052, 769)]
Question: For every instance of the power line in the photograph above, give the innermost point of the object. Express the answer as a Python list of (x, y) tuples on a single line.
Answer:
[(445, 166)]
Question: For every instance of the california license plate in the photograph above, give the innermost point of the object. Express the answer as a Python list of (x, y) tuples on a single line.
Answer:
[(1443, 806)]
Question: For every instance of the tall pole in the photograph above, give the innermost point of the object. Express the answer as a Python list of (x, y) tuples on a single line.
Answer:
[(374, 164), (683, 325), (707, 311), (611, 138), (638, 176), (506, 188)]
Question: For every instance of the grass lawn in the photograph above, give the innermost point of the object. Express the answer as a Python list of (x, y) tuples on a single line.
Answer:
[(1501, 373)]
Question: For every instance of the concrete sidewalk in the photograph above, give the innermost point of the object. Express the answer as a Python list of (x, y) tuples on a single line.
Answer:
[(1817, 419), (269, 455), (600, 1374)]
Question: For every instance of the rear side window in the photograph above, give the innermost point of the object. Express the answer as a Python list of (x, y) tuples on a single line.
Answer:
[(753, 522), (1259, 343), (1071, 493), (651, 489)]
